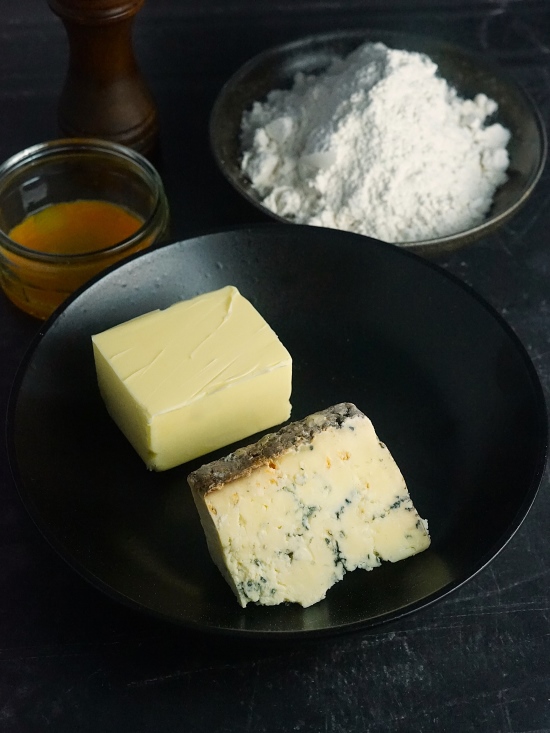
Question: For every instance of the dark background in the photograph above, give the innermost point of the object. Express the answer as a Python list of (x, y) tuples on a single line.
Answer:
[(72, 660)]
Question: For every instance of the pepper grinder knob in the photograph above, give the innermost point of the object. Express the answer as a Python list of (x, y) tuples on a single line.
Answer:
[(104, 94)]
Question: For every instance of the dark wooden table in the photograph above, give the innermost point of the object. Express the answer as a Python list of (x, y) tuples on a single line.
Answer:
[(71, 659)]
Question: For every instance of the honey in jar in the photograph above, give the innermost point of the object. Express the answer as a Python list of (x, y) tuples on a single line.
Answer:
[(68, 210), (75, 227), (66, 244)]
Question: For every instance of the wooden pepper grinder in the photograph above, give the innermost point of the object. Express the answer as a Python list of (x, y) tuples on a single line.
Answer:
[(104, 94)]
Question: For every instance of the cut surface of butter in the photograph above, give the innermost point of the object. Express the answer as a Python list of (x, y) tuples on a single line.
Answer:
[(285, 518), (197, 376)]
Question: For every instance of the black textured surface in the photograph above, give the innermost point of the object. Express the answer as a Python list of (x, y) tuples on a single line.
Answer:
[(70, 658)]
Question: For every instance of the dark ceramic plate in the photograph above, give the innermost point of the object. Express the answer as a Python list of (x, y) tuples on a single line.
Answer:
[(468, 73), (447, 384)]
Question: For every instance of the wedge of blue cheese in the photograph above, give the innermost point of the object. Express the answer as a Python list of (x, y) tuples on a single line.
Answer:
[(286, 517)]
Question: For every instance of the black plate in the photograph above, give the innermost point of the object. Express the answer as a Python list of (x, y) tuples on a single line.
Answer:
[(446, 382), (469, 73)]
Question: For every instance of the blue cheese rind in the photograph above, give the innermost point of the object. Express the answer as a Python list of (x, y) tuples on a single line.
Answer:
[(286, 517)]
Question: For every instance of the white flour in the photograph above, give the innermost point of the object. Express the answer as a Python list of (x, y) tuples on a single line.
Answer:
[(379, 145)]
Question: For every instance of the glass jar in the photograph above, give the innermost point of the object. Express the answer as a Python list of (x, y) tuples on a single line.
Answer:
[(62, 196)]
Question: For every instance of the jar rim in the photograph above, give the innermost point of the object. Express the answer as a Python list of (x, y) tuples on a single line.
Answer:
[(70, 146)]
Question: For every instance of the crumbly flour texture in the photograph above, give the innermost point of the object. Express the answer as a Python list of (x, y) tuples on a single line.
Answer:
[(378, 144)]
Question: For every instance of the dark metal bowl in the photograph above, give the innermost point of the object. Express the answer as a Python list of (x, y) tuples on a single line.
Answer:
[(468, 73)]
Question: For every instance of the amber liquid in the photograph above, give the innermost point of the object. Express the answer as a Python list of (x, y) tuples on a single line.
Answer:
[(75, 227), (71, 228)]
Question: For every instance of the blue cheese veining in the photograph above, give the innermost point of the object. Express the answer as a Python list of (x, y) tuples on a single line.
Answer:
[(286, 517)]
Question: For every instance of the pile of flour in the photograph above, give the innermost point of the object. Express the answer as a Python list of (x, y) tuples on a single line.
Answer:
[(379, 145)]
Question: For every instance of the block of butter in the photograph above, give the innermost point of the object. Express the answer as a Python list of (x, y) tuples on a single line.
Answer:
[(286, 517), (194, 377)]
